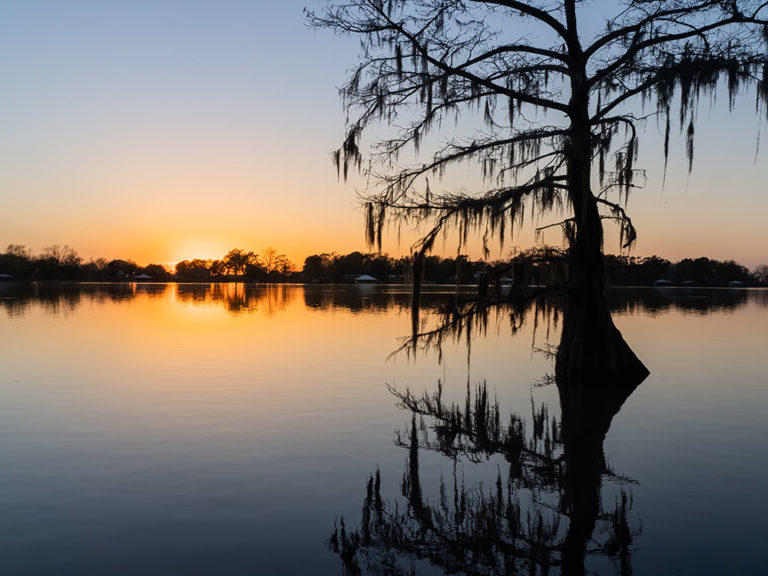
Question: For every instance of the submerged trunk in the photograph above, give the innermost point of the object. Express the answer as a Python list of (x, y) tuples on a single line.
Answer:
[(590, 346)]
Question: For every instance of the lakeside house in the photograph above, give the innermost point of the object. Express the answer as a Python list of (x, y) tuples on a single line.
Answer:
[(365, 279)]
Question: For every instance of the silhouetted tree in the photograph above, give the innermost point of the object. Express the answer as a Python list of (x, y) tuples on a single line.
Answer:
[(16, 262), (633, 271), (194, 270), (268, 255), (58, 263), (706, 272), (218, 268), (556, 102), (761, 274), (315, 268), (121, 269), (158, 272), (282, 266), (236, 260)]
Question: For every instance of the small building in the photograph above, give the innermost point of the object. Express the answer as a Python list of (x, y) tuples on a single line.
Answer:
[(365, 279)]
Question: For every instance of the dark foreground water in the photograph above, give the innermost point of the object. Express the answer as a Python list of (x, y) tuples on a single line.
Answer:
[(163, 429)]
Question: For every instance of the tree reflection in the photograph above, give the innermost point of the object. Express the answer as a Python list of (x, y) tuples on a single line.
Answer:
[(239, 298), (545, 511), (445, 302), (689, 300), (62, 298)]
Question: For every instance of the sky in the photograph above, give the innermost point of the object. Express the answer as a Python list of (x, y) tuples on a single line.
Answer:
[(166, 130)]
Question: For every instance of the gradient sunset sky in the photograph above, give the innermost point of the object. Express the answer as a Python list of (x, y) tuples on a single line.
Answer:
[(165, 130)]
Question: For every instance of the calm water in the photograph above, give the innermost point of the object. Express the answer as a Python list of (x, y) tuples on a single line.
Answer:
[(163, 429)]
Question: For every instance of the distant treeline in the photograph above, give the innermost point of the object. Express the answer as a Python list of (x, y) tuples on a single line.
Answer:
[(62, 263), (536, 266), (634, 271)]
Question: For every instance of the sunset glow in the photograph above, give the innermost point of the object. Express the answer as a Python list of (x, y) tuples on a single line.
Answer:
[(174, 148)]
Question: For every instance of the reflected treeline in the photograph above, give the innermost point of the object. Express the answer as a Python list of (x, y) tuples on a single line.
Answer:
[(240, 298), (621, 300), (696, 300), (553, 507), (369, 298), (17, 297)]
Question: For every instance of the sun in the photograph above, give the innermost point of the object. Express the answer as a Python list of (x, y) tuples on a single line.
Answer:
[(199, 247)]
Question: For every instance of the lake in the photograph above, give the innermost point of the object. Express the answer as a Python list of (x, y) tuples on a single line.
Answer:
[(227, 429)]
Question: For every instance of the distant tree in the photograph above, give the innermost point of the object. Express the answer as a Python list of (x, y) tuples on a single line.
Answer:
[(268, 255), (706, 272), (58, 263), (346, 267), (158, 272), (236, 260), (255, 272), (16, 262), (94, 269), (194, 270), (282, 265), (761, 274), (377, 265), (100, 264), (64, 255), (218, 268), (316, 268), (632, 271), (562, 110), (121, 269), (19, 251)]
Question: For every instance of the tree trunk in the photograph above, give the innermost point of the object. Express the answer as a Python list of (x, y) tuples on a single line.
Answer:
[(590, 345)]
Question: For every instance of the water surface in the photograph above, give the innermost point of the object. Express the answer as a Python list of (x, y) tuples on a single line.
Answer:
[(199, 429)]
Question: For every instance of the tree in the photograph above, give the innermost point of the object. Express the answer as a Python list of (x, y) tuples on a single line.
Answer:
[(121, 269), (236, 261), (557, 106), (19, 251), (269, 254), (17, 261), (64, 255), (761, 274), (283, 266), (158, 272), (316, 267), (194, 270)]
